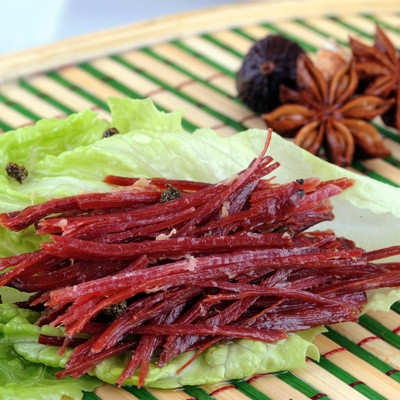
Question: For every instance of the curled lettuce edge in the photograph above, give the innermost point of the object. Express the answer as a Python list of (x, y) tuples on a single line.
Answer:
[(235, 360), (25, 380), (147, 133)]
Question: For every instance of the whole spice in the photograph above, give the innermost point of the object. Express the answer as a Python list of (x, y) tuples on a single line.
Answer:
[(379, 70), (17, 172), (110, 132), (330, 57), (269, 63), (171, 193), (116, 310), (326, 114)]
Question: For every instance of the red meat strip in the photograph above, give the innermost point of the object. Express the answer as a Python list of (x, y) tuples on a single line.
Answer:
[(224, 261)]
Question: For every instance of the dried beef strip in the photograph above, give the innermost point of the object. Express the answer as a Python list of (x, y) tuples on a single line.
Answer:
[(224, 261)]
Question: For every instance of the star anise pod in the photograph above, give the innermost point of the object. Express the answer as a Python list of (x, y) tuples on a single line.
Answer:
[(379, 69), (326, 114)]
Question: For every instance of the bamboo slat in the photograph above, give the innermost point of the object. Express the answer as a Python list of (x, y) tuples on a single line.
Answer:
[(169, 394), (383, 168), (62, 94), (225, 391), (390, 319), (195, 90), (147, 33), (375, 345), (189, 61), (368, 26), (12, 117), (109, 392), (196, 68), (327, 383), (30, 101), (362, 370), (276, 389), (222, 57)]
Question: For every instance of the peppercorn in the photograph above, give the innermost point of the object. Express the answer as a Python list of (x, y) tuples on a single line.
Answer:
[(17, 172), (116, 310), (171, 193), (110, 132)]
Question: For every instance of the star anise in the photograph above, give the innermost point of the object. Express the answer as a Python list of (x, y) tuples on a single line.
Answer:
[(379, 69), (326, 114)]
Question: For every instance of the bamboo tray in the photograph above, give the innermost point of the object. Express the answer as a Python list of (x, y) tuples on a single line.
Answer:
[(189, 61)]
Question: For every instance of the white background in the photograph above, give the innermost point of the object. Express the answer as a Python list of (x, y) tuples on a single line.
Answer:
[(30, 23)]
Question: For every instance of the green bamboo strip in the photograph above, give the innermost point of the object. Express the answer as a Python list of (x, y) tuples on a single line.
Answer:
[(189, 74), (396, 307), (197, 393), (211, 39), (249, 390), (377, 329), (244, 34), (392, 160), (127, 91), (349, 379), (90, 396), (372, 174), (5, 127), (352, 28), (141, 393), (319, 31), (187, 98), (204, 58), (386, 132), (58, 78), (25, 85), (18, 107), (363, 354), (112, 82), (300, 385), (306, 46), (382, 23)]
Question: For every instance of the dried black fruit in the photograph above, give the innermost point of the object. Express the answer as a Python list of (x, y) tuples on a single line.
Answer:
[(17, 172), (269, 63), (171, 193), (110, 132)]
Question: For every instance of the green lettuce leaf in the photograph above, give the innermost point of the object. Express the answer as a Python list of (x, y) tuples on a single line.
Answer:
[(234, 360), (153, 143), (133, 115), (31, 145), (25, 380), (21, 379)]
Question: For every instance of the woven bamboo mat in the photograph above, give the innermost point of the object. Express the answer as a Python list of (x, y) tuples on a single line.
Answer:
[(189, 61)]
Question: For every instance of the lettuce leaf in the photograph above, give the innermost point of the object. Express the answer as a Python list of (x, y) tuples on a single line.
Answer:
[(234, 360), (132, 115), (22, 379), (31, 145), (153, 143)]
